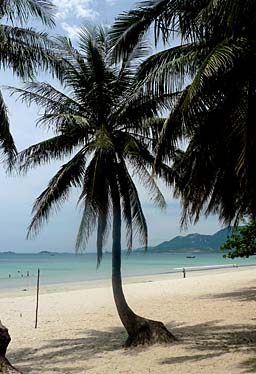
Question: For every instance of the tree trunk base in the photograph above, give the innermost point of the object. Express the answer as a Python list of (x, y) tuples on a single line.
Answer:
[(148, 333), (5, 365)]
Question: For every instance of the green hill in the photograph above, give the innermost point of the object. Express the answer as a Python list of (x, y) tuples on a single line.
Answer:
[(194, 242)]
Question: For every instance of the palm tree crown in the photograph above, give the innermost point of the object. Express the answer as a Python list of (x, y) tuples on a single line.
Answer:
[(108, 133)]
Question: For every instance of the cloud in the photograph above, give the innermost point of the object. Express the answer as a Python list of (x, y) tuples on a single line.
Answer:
[(71, 13), (110, 2), (72, 31), (67, 9)]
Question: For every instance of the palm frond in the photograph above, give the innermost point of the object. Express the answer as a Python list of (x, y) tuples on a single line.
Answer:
[(219, 61), (137, 108), (76, 75), (70, 175), (6, 140), (129, 65), (26, 52), (135, 152), (167, 71), (21, 10), (148, 181), (45, 95), (172, 131), (101, 74), (42, 153), (95, 199), (130, 27), (126, 204), (87, 224), (139, 225)]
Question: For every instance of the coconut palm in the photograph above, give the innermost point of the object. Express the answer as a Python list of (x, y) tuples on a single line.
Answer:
[(23, 50), (107, 133), (215, 112)]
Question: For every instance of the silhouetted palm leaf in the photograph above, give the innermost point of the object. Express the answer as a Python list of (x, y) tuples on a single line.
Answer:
[(24, 50), (212, 77)]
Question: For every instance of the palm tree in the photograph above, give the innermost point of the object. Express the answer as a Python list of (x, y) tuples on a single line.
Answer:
[(215, 112), (24, 51), (111, 133)]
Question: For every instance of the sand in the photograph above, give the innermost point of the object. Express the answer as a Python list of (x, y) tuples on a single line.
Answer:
[(212, 314)]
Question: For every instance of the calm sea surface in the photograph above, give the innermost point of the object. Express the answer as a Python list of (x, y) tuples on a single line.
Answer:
[(19, 270)]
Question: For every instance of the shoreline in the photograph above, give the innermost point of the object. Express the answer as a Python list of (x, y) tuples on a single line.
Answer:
[(176, 274)]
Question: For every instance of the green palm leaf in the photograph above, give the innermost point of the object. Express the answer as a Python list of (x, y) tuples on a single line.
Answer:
[(6, 140), (70, 175), (21, 10), (130, 27), (25, 51), (43, 152)]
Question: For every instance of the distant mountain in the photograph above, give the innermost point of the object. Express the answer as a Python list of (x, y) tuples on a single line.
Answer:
[(47, 253), (8, 253), (194, 242)]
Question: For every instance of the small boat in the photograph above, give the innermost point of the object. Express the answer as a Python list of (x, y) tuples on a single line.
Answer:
[(190, 256)]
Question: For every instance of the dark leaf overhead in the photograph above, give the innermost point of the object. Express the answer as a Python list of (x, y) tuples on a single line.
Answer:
[(24, 51), (210, 73)]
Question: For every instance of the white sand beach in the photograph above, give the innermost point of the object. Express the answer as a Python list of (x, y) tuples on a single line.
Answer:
[(212, 313)]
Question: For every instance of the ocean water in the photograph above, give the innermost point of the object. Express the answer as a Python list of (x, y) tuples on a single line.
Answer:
[(20, 270)]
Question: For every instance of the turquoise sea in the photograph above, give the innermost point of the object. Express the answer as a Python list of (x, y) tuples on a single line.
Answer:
[(20, 270)]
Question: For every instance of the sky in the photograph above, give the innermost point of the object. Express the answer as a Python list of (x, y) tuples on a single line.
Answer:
[(17, 193)]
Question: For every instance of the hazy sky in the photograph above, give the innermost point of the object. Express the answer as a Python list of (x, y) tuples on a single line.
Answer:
[(18, 193)]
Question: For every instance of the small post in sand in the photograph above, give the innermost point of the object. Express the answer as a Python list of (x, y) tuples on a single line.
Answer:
[(37, 296)]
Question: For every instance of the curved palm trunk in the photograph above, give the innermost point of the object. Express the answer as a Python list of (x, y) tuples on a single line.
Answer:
[(140, 330)]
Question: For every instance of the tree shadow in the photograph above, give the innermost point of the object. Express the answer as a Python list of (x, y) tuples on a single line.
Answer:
[(188, 358), (59, 352), (246, 294), (200, 341), (249, 365), (212, 339)]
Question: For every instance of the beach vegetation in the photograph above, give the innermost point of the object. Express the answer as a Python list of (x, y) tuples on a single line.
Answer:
[(242, 242), (108, 131)]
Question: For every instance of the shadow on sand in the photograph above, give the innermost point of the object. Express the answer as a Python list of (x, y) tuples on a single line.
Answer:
[(210, 340), (56, 352), (213, 339), (201, 341), (246, 294)]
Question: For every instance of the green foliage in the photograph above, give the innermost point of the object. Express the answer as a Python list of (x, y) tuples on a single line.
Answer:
[(214, 113), (108, 131), (24, 51), (242, 243), (21, 10)]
